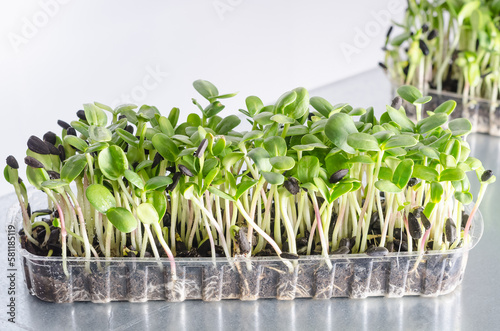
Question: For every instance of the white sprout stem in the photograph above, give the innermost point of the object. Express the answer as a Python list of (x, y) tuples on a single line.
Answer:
[(339, 223), (174, 207), (215, 225), (253, 204), (277, 219), (288, 226), (389, 199), (257, 228), (300, 215), (83, 230), (64, 234), (26, 218)]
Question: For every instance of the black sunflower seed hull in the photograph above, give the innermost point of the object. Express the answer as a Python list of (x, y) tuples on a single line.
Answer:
[(201, 149), (432, 34), (414, 226), (81, 115), (383, 66), (38, 146), (71, 131), (175, 181), (129, 129), (50, 137), (342, 250), (54, 174), (43, 211), (465, 218), (486, 175), (400, 246), (338, 175), (63, 124), (345, 242), (425, 222), (397, 102), (423, 47), (157, 160), (292, 185), (389, 31), (418, 212), (451, 230), (413, 181), (185, 171), (12, 162), (62, 153), (243, 242), (32, 162), (377, 251), (52, 149)]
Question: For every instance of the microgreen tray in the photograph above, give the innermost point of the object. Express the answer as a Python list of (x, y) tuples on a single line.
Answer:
[(139, 280)]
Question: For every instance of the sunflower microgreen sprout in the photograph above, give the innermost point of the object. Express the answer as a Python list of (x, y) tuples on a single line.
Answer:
[(309, 178)]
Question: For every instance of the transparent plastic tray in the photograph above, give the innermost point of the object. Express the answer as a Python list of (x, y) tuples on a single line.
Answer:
[(484, 117), (139, 280)]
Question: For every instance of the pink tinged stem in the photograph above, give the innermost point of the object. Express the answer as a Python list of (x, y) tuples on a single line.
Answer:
[(406, 225), (27, 222), (324, 243), (421, 250), (469, 221), (474, 209), (311, 237), (424, 239), (158, 231), (320, 225)]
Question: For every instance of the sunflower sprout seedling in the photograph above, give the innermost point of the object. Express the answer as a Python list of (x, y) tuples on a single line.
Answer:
[(309, 178)]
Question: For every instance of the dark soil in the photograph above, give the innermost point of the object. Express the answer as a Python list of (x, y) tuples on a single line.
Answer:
[(138, 280), (142, 281)]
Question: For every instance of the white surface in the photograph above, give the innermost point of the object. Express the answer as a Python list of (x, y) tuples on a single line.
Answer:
[(56, 55)]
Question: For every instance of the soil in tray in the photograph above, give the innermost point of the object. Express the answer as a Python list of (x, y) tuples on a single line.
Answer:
[(143, 281)]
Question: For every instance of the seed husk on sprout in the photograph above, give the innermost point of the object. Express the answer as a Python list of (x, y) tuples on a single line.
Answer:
[(81, 115), (397, 102), (63, 124), (71, 131), (38, 146), (486, 175), (338, 176), (50, 137), (12, 162), (32, 162)]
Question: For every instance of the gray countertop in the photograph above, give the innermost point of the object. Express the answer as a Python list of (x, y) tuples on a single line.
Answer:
[(475, 305)]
